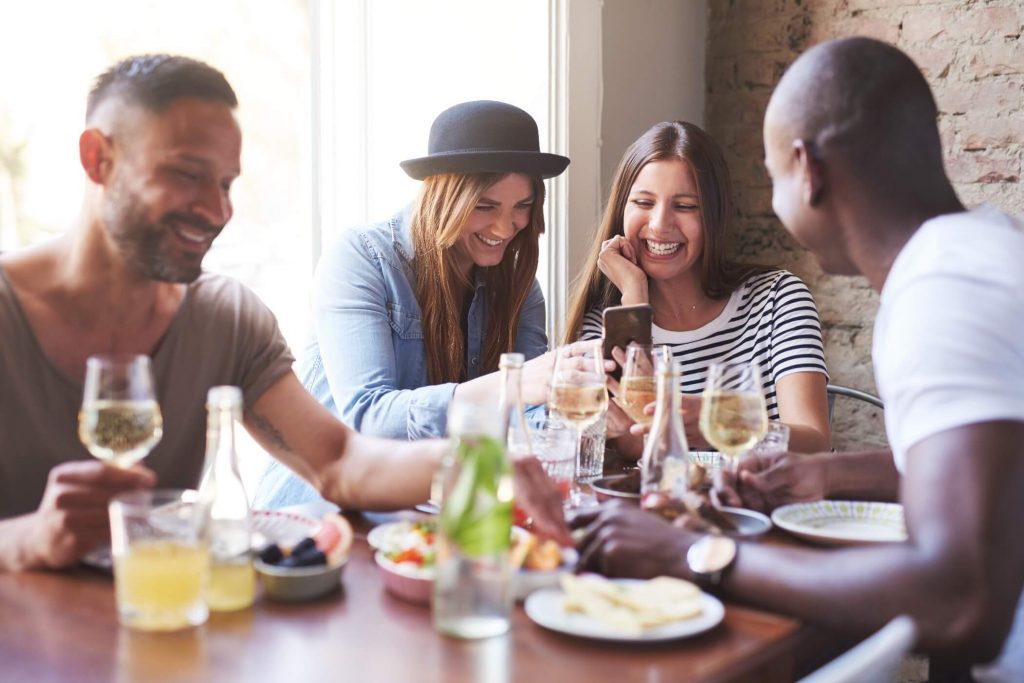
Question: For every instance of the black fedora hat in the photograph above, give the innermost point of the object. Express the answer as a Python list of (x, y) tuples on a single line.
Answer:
[(484, 136)]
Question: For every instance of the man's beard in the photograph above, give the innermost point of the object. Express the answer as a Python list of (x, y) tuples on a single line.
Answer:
[(142, 242)]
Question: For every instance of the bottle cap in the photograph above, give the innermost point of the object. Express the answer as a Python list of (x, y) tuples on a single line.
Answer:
[(470, 418), (511, 360), (224, 397)]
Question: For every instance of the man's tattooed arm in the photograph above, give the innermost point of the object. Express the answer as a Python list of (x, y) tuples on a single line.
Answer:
[(268, 430)]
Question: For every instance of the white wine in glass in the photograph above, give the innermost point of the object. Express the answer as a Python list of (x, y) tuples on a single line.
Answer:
[(581, 405), (637, 388), (578, 393), (120, 420), (733, 416)]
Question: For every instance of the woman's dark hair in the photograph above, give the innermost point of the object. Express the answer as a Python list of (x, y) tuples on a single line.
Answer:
[(666, 141)]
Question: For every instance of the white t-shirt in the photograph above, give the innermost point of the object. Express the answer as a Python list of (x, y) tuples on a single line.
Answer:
[(949, 345), (949, 337)]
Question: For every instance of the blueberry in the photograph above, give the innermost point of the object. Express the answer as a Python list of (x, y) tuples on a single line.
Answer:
[(271, 554), (304, 545), (308, 558)]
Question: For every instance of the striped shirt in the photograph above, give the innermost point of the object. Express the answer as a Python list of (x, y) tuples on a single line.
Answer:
[(770, 318)]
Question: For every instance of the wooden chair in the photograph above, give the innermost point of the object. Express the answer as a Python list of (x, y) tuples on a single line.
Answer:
[(875, 660)]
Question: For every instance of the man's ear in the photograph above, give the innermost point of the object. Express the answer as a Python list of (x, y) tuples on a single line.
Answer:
[(812, 171), (96, 152)]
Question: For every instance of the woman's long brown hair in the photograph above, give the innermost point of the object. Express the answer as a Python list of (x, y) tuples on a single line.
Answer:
[(438, 218), (665, 141)]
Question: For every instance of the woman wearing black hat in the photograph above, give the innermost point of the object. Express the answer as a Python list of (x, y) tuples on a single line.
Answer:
[(417, 310)]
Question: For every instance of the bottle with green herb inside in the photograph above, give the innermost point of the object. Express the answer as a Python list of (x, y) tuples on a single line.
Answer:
[(472, 585)]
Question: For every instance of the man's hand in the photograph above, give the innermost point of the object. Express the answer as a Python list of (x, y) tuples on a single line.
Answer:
[(768, 481), (540, 497), (619, 539), (72, 517)]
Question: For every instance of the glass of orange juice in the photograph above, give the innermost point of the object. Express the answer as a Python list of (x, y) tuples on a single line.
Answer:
[(161, 563)]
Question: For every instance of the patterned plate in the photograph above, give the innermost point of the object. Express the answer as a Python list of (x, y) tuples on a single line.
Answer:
[(843, 522), (281, 527)]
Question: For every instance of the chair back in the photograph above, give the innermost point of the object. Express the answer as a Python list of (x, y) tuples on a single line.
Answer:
[(875, 660)]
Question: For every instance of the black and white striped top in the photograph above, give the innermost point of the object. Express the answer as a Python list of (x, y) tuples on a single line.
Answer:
[(770, 319)]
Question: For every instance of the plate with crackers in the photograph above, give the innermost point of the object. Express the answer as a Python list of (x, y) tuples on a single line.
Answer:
[(625, 610)]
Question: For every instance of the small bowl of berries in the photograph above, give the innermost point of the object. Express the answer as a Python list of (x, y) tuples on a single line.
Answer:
[(309, 568)]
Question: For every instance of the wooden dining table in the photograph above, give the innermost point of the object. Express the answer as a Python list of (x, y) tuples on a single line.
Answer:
[(62, 626)]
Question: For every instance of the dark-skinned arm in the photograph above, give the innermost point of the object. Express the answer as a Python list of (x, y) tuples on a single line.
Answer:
[(959, 576), (766, 482)]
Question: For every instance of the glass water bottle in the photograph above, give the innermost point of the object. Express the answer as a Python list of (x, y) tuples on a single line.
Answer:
[(664, 467), (472, 585), (232, 583)]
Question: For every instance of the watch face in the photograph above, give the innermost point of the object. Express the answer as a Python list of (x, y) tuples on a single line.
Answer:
[(711, 554)]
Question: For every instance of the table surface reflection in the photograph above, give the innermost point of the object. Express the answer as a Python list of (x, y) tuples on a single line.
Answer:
[(62, 626)]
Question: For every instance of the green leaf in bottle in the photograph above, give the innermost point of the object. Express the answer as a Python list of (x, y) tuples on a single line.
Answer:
[(477, 515)]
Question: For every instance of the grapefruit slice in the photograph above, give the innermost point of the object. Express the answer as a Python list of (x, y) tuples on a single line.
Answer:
[(334, 537)]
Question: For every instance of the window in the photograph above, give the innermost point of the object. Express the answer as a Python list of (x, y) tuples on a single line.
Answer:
[(265, 56)]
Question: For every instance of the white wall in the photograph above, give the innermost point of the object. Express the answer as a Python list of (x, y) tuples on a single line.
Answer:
[(649, 62), (653, 70)]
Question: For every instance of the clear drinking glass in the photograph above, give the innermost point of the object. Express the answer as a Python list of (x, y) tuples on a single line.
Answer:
[(578, 392), (161, 563), (775, 440), (554, 443), (637, 387), (120, 420), (733, 416)]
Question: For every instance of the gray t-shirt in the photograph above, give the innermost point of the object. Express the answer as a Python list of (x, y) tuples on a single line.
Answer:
[(221, 334)]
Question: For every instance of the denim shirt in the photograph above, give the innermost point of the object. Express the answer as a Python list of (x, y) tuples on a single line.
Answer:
[(366, 359)]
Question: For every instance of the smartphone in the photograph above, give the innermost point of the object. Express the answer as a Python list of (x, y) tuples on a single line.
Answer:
[(625, 324)]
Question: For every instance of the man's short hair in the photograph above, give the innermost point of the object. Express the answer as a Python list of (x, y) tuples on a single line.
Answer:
[(154, 81)]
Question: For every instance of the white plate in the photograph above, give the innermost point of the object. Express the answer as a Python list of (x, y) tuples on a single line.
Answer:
[(281, 527), (545, 608), (393, 535), (843, 522)]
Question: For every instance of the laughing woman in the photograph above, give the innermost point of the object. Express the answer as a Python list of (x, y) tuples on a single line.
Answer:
[(662, 241), (416, 311)]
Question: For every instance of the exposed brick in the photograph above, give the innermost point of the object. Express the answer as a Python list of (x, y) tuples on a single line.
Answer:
[(997, 60), (987, 96), (983, 167), (881, 26), (924, 24), (982, 133), (934, 62), (985, 23)]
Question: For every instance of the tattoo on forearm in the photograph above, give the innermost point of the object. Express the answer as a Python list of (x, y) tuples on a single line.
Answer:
[(268, 429)]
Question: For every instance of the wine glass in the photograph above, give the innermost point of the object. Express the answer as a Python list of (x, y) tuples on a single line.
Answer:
[(120, 420), (733, 415), (637, 387), (578, 392)]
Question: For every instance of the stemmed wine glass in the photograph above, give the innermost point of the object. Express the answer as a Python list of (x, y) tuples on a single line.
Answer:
[(637, 387), (578, 392), (120, 420), (733, 415)]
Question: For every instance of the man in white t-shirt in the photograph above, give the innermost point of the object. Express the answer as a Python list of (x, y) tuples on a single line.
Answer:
[(856, 162)]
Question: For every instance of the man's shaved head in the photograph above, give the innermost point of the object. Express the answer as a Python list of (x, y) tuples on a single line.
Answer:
[(864, 103)]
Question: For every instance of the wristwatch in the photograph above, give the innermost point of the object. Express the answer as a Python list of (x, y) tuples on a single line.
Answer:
[(709, 557)]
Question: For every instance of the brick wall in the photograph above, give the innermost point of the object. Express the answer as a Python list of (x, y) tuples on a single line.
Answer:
[(971, 52)]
